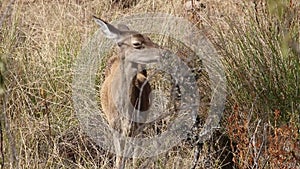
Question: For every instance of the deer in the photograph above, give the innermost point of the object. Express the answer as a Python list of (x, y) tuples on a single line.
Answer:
[(125, 92)]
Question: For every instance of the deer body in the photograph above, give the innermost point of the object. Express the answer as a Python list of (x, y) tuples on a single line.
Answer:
[(139, 90), (126, 90)]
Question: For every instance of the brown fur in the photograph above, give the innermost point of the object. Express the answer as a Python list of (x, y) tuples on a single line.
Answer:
[(137, 84)]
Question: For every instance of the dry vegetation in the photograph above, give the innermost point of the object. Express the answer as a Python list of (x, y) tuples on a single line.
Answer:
[(259, 42)]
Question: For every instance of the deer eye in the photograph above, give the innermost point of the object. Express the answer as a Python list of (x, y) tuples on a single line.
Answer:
[(120, 44), (137, 45)]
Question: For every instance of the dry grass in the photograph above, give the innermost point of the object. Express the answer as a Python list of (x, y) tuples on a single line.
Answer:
[(40, 41)]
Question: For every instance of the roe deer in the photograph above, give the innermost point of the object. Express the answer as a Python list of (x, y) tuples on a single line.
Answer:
[(126, 90)]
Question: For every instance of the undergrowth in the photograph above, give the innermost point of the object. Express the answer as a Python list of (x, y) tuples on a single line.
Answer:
[(40, 41)]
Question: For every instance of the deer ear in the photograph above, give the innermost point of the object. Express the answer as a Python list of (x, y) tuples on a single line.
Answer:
[(123, 27), (108, 30)]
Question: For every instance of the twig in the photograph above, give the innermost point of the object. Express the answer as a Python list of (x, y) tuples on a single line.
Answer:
[(6, 12), (1, 143), (256, 153), (10, 137), (198, 145), (196, 154), (6, 121)]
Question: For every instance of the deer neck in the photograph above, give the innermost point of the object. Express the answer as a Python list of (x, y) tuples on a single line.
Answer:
[(124, 77)]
